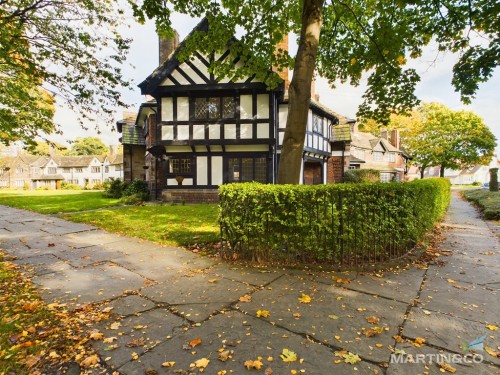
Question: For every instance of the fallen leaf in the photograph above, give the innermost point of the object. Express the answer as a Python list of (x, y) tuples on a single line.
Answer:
[(202, 363), (108, 340), (373, 320), (168, 364), (194, 342), (263, 313), (268, 371), (374, 331), (138, 327), (225, 355), (96, 335), (492, 352), (419, 341), (398, 338), (246, 298), (111, 347), (249, 364), (297, 315), (361, 309), (115, 325), (351, 358), (151, 371), (333, 316), (107, 309), (305, 298), (32, 360), (427, 312), (212, 281), (134, 356), (342, 281), (446, 367), (90, 361), (288, 356), (491, 327), (137, 342), (53, 355), (379, 345), (451, 281)]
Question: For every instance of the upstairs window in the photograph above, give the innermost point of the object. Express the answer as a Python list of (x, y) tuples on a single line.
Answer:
[(95, 169), (377, 156), (52, 170), (79, 170), (213, 108), (318, 124), (19, 170)]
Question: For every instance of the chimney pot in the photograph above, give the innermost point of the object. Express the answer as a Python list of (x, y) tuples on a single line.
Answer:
[(167, 46)]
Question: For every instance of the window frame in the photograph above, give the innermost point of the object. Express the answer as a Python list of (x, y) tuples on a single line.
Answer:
[(219, 103), (183, 161), (229, 176)]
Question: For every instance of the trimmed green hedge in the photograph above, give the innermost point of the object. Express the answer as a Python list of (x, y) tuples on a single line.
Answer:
[(340, 223)]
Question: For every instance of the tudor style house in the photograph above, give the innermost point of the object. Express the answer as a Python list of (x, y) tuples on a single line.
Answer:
[(201, 131)]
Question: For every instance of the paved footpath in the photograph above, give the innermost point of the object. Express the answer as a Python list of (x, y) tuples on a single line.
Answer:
[(165, 297)]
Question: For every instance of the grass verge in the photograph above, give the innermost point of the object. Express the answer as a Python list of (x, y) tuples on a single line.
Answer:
[(487, 201), (167, 225), (36, 338), (58, 201)]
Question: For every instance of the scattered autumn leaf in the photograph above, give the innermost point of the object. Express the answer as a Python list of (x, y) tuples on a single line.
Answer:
[(107, 309), (194, 342), (492, 352), (138, 327), (263, 313), (115, 325), (446, 367), (224, 355), (108, 340), (249, 364), (451, 281), (305, 298), (379, 345), (342, 281), (134, 356), (90, 361), (297, 315), (268, 371), (351, 358), (491, 327), (212, 281), (333, 316), (373, 331), (419, 341), (96, 335), (373, 319), (151, 371), (288, 356), (361, 309), (246, 298), (201, 363), (32, 360), (137, 342), (168, 364), (398, 338)]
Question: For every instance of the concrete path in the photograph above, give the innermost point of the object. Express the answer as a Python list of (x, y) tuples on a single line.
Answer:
[(164, 298)]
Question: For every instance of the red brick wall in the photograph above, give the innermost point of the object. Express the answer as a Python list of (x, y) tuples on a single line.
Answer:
[(334, 169), (190, 196)]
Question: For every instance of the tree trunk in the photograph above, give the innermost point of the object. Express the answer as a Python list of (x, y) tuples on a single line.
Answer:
[(300, 93), (441, 171), (422, 171)]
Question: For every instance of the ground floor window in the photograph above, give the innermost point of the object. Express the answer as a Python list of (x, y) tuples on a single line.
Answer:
[(246, 169), (385, 177), (180, 166)]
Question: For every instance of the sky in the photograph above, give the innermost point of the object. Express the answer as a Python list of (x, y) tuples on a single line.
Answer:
[(434, 68)]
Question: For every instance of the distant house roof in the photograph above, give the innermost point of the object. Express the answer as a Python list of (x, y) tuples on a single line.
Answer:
[(76, 161), (133, 135), (115, 159), (368, 141), (472, 170), (48, 177), (354, 160)]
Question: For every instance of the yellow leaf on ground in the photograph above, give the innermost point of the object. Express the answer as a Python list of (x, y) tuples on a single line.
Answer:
[(168, 364), (115, 325), (361, 309), (491, 327), (342, 281), (373, 320), (263, 313), (492, 352), (305, 298), (419, 341), (246, 298), (249, 364), (90, 361), (379, 345), (202, 363), (451, 281), (212, 281), (108, 340), (288, 356), (351, 358), (225, 355), (107, 309), (297, 315), (96, 335), (446, 367)]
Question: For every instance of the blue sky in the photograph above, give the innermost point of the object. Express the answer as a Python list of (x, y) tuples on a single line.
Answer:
[(435, 71)]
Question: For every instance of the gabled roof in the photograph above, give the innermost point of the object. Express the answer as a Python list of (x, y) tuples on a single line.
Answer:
[(115, 159), (472, 170), (160, 74), (133, 135), (76, 161), (368, 141)]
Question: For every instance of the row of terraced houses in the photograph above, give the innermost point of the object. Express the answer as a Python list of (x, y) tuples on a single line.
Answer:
[(32, 172)]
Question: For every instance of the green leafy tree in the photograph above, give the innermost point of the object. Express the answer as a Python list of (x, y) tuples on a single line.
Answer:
[(341, 40), (435, 135), (45, 148), (88, 146), (57, 49)]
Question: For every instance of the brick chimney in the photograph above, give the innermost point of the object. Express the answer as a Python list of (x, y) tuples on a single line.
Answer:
[(283, 45), (166, 46), (384, 134), (395, 138)]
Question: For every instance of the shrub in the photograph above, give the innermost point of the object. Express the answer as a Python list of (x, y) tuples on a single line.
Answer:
[(139, 188), (476, 183), (67, 186), (361, 175), (341, 223), (494, 179), (26, 186), (114, 188)]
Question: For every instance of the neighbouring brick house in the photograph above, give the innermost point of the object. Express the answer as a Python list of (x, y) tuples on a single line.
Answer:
[(360, 150), (198, 131)]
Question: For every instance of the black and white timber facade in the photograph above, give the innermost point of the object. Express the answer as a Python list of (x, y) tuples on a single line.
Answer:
[(202, 131)]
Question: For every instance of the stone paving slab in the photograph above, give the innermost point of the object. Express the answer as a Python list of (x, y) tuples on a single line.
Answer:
[(89, 238), (88, 285), (335, 316), (465, 300), (467, 272), (136, 334), (130, 305), (427, 363), (248, 338), (257, 276), (85, 256), (43, 264), (447, 332)]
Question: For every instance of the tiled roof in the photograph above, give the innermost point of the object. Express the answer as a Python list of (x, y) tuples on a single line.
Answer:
[(76, 161), (341, 133), (115, 159), (133, 135), (368, 141), (48, 177)]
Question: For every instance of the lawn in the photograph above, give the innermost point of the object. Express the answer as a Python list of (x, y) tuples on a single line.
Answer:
[(168, 225), (55, 201), (487, 201)]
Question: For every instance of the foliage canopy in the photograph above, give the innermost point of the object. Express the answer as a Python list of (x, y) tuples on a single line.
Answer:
[(53, 49)]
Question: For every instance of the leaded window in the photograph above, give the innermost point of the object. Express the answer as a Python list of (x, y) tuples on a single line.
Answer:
[(180, 166), (247, 169), (214, 108), (318, 124)]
